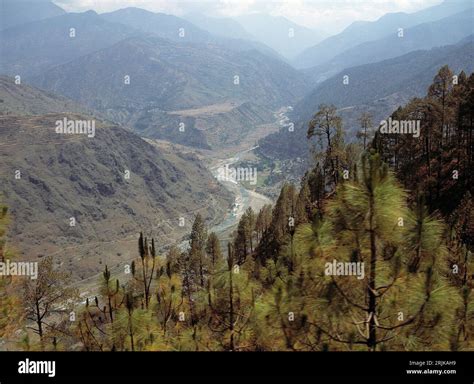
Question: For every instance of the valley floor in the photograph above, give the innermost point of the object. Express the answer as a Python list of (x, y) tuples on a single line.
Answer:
[(223, 226)]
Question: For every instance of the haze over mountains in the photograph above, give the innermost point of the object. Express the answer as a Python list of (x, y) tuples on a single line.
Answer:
[(281, 34), (14, 12), (168, 72), (175, 65), (220, 26), (33, 48), (200, 81), (448, 30), (378, 88), (181, 30), (165, 77), (363, 31)]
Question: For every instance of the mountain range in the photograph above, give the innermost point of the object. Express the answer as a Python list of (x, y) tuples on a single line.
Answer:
[(168, 72), (181, 30), (448, 30), (167, 77), (33, 48), (364, 31), (200, 81), (378, 88)]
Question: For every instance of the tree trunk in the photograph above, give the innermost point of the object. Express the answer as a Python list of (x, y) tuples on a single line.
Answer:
[(372, 340), (39, 321)]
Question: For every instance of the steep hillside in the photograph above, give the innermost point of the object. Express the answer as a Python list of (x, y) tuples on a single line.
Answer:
[(361, 32), (165, 76), (133, 67), (211, 126), (172, 76), (47, 178), (22, 99)]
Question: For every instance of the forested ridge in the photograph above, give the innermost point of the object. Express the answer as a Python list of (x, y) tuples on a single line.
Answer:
[(397, 205)]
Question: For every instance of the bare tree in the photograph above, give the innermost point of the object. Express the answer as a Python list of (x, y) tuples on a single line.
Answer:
[(45, 296)]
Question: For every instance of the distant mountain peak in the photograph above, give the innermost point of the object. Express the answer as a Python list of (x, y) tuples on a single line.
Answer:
[(360, 32), (90, 12)]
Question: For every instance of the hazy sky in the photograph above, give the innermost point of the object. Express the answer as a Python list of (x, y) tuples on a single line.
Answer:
[(330, 15)]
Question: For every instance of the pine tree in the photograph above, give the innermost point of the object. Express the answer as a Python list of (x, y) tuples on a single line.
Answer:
[(326, 125), (147, 255), (317, 187), (172, 261), (370, 222), (231, 301), (278, 233), (365, 132), (241, 242), (129, 305), (110, 291), (169, 298), (438, 162), (461, 266), (250, 226), (263, 221), (213, 250), (197, 249)]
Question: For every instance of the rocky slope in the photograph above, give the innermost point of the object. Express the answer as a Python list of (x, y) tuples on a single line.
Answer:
[(47, 178)]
